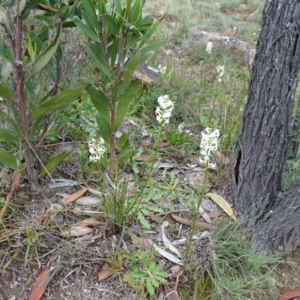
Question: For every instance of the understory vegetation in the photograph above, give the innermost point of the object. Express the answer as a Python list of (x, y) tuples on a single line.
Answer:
[(126, 175)]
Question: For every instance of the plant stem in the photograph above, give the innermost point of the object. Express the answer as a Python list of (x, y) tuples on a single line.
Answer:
[(195, 219), (21, 102), (112, 165)]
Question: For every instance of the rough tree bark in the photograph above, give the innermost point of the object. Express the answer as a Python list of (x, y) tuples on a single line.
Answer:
[(262, 148)]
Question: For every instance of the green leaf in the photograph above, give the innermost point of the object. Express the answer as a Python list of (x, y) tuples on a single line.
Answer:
[(42, 60), (22, 5), (148, 35), (44, 19), (8, 136), (12, 122), (104, 128), (141, 218), (91, 12), (90, 32), (149, 287), (57, 102), (113, 50), (53, 163), (111, 24), (153, 46), (99, 100), (123, 103), (151, 266), (123, 139), (8, 159), (136, 12), (5, 92), (98, 58), (5, 51)]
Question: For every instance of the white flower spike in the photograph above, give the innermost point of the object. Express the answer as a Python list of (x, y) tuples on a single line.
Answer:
[(220, 71), (97, 149), (164, 110), (209, 47), (209, 143)]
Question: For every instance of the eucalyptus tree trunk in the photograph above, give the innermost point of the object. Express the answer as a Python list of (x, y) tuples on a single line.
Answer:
[(262, 148)]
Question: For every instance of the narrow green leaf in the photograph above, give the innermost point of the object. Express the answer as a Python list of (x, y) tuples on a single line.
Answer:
[(8, 159), (118, 7), (136, 12), (5, 51), (57, 102), (96, 56), (149, 287), (91, 12), (8, 136), (42, 60), (104, 128), (22, 5), (129, 9), (99, 100), (123, 139), (5, 92), (148, 35), (12, 122), (131, 66), (111, 24), (153, 46), (123, 103), (90, 32), (30, 91), (53, 163), (113, 50), (44, 19)]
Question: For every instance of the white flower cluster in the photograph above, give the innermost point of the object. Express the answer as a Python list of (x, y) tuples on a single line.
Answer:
[(220, 71), (162, 69), (164, 110), (209, 143), (96, 148), (209, 47)]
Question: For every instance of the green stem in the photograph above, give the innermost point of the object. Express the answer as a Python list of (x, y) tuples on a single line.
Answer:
[(195, 219)]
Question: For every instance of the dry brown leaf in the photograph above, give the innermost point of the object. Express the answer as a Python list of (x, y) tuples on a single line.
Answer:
[(291, 294), (16, 180), (195, 161), (75, 196), (40, 284), (170, 294), (88, 201), (105, 273), (89, 222), (143, 158), (186, 222), (214, 215), (221, 158), (76, 231), (15, 185)]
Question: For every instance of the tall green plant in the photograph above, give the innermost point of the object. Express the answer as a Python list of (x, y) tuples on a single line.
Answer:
[(118, 36), (28, 67)]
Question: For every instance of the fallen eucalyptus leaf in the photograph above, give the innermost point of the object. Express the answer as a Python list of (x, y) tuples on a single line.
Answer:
[(76, 230), (166, 254), (75, 196), (223, 204), (167, 243), (88, 200), (40, 284), (186, 222), (291, 294), (106, 273), (89, 222), (204, 215)]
